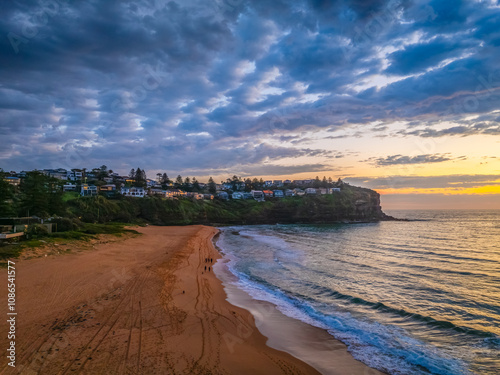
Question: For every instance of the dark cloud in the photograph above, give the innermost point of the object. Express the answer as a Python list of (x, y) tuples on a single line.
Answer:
[(201, 84), (416, 58), (403, 159), (460, 130)]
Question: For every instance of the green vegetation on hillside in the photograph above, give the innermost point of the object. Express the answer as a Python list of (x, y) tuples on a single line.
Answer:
[(351, 204)]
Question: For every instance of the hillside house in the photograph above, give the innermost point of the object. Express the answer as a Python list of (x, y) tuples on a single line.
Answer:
[(69, 187), (278, 194), (299, 192), (268, 193), (157, 192), (257, 195), (174, 193), (137, 192), (237, 195), (193, 195), (75, 175), (60, 173), (14, 181), (109, 187), (88, 190), (223, 195)]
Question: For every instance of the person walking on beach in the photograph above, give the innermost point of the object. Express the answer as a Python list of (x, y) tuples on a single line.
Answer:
[(208, 268)]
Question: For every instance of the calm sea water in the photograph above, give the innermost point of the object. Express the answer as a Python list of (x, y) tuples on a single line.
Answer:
[(418, 297)]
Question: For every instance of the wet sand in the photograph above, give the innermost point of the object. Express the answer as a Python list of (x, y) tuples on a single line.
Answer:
[(313, 345)]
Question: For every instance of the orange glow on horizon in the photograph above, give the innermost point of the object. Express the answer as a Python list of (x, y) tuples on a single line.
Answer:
[(482, 190)]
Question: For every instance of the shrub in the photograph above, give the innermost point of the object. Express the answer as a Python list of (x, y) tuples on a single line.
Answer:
[(36, 231), (64, 224)]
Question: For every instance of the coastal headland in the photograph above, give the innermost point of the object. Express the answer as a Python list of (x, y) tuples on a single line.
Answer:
[(150, 304)]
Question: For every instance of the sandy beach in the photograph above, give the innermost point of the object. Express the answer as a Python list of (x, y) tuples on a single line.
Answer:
[(144, 305)]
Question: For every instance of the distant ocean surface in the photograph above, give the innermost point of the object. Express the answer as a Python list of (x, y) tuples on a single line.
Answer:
[(418, 297)]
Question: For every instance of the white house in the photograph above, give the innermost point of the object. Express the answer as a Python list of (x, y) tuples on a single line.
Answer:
[(257, 195), (137, 192), (298, 192), (60, 173), (311, 191), (75, 175)]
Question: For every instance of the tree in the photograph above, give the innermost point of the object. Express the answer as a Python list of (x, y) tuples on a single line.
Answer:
[(103, 172), (178, 182), (316, 182), (248, 185), (40, 195), (164, 181), (212, 187), (324, 182), (196, 184), (158, 178), (140, 178), (187, 184), (6, 196), (132, 173)]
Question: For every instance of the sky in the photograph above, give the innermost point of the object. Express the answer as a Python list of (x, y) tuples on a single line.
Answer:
[(401, 96)]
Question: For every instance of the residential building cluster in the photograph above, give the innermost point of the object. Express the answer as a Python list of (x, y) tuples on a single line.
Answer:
[(108, 183)]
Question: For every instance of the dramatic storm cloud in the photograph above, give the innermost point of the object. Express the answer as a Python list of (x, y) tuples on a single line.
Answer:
[(252, 87)]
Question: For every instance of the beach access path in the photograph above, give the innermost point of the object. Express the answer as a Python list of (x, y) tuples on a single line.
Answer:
[(144, 305)]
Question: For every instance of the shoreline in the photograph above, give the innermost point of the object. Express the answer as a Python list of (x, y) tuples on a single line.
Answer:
[(306, 342), (143, 305)]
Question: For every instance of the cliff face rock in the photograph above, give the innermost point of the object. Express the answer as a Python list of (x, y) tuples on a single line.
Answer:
[(365, 204)]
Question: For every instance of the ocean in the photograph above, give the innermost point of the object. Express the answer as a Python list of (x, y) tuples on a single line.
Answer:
[(406, 297)]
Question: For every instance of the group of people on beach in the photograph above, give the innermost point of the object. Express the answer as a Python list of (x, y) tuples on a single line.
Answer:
[(208, 260)]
